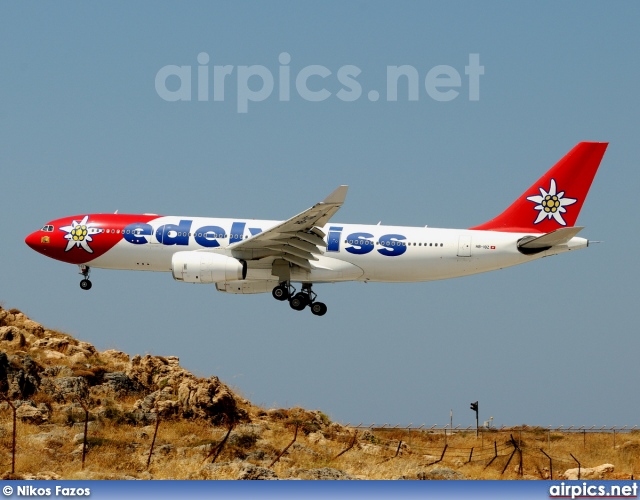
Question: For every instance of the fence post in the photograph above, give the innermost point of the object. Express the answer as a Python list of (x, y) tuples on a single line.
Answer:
[(153, 441), (470, 455), (495, 454), (515, 448), (550, 465), (520, 468), (353, 442), (295, 435), (218, 449), (441, 456), (398, 450), (579, 467), (86, 428)]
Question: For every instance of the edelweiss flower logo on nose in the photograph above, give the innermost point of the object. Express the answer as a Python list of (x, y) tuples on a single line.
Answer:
[(79, 234), (551, 204)]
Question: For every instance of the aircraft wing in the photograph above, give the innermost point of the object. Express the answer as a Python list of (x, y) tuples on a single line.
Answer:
[(557, 237), (296, 240)]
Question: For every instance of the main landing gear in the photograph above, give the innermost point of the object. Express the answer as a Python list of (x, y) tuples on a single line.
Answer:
[(298, 301), (85, 284)]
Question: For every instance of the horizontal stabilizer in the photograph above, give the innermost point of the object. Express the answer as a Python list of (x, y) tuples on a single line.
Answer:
[(557, 237)]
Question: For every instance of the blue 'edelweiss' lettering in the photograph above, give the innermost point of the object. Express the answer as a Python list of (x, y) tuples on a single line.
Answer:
[(359, 243)]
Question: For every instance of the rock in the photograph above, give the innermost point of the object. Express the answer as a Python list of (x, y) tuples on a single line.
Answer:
[(12, 336), (120, 384), (440, 473), (89, 348), (162, 402), (52, 344), (19, 376), (53, 355), (78, 358), (31, 415), (222, 470), (156, 372), (208, 399), (40, 476), (598, 472), (66, 388), (234, 470), (113, 356), (322, 474), (252, 472)]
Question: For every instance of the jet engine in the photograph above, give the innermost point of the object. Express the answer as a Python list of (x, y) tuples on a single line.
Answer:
[(206, 267)]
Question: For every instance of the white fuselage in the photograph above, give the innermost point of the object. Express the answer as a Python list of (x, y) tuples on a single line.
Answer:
[(354, 252)]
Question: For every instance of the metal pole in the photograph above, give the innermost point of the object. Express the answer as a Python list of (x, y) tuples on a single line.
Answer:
[(153, 441), (86, 427), (550, 465), (13, 441), (579, 465)]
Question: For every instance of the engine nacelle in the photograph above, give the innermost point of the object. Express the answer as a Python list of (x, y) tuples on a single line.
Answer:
[(206, 267)]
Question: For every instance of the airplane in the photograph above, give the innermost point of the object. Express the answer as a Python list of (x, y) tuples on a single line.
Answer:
[(243, 256)]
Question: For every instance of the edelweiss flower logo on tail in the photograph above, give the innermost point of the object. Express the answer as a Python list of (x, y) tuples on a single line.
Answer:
[(551, 204), (79, 234)]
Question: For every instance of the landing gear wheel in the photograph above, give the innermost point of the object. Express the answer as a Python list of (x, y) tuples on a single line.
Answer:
[(85, 284), (298, 302), (319, 308), (281, 292)]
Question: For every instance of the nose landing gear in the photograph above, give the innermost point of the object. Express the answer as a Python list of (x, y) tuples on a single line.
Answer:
[(85, 284), (298, 301)]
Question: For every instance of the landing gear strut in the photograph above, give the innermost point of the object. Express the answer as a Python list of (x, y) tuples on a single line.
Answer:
[(298, 301), (85, 284)]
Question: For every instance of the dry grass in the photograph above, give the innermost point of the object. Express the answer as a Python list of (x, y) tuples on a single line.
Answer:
[(183, 450)]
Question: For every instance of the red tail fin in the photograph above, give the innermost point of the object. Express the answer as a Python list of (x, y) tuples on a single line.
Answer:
[(555, 199)]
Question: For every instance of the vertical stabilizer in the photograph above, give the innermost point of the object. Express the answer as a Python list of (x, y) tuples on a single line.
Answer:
[(554, 200)]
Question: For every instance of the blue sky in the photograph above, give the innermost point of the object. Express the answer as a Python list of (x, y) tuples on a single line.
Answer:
[(83, 129)]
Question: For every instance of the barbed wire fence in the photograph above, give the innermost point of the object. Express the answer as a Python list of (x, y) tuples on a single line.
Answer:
[(496, 446), (492, 453)]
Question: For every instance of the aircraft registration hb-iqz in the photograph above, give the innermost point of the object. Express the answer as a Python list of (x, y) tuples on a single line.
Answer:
[(257, 256)]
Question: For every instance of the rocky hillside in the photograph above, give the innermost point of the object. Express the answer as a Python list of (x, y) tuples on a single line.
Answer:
[(147, 417), (49, 377)]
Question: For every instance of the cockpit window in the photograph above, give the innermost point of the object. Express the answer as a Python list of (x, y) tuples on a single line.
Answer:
[(48, 228)]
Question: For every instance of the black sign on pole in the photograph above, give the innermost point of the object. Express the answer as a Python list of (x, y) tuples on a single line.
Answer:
[(474, 407)]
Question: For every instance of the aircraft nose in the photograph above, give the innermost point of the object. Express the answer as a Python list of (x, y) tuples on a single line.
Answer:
[(34, 240)]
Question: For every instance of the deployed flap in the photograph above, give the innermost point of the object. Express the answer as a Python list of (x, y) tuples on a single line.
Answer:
[(557, 237), (296, 239)]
